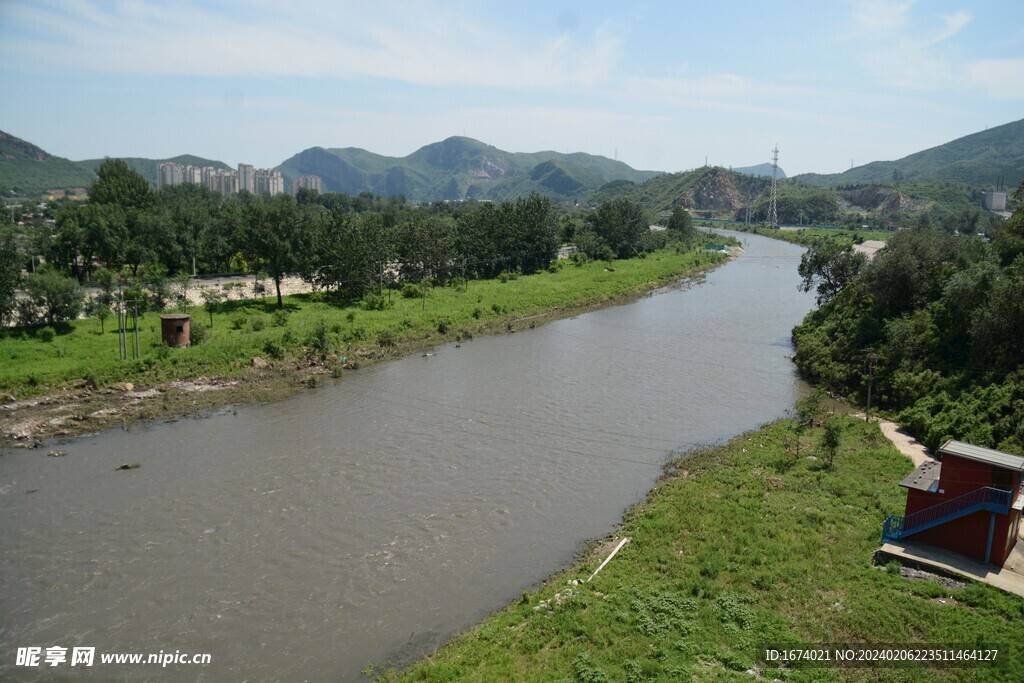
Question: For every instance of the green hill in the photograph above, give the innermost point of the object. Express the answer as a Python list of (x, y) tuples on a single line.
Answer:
[(978, 160), (30, 171), (147, 167), (715, 192), (459, 168)]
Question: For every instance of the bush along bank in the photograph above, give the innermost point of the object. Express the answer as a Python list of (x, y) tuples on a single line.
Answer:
[(737, 547)]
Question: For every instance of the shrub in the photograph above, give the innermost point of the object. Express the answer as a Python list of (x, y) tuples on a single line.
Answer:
[(387, 338), (258, 323), (273, 348), (350, 316), (578, 258), (319, 340), (238, 322), (443, 325), (411, 291), (46, 334), (372, 302), (198, 333), (354, 334), (477, 313), (50, 297), (280, 317)]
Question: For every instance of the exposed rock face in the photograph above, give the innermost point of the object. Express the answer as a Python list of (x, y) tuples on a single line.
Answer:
[(721, 190)]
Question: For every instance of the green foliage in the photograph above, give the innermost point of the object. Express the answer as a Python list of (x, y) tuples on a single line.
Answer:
[(936, 324), (681, 223), (829, 267), (10, 275), (213, 298), (46, 334), (619, 224), (319, 340), (118, 184), (31, 171), (50, 297), (198, 333), (831, 437)]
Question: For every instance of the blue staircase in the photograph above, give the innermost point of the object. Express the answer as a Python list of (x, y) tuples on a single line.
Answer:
[(987, 498)]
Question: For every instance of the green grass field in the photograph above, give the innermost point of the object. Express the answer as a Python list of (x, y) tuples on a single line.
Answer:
[(30, 365), (740, 546)]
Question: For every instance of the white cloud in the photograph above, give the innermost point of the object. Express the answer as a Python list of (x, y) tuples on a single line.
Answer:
[(908, 52), (417, 42)]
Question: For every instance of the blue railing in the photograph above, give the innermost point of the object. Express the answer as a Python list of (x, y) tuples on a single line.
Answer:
[(985, 498)]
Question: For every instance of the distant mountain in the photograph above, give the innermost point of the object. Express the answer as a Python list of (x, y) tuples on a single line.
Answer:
[(714, 192), (979, 160), (764, 170), (459, 168), (147, 167), (29, 171)]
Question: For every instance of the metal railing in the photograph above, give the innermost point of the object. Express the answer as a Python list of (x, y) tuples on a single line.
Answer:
[(985, 498)]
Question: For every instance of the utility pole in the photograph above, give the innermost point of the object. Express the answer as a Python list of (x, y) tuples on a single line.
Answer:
[(872, 358), (773, 209)]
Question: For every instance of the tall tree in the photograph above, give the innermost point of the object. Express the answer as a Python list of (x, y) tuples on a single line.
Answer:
[(681, 222), (278, 237), (829, 266), (10, 274), (117, 183), (620, 223)]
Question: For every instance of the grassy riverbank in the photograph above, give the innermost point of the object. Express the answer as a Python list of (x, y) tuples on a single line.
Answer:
[(313, 334), (737, 546), (808, 236)]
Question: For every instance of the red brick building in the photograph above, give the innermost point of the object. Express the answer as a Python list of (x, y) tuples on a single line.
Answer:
[(970, 502)]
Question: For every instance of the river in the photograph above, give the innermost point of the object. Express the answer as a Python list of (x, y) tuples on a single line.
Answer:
[(367, 520)]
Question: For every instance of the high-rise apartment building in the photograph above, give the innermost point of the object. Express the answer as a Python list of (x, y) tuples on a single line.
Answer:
[(307, 182), (269, 181), (168, 173), (247, 178)]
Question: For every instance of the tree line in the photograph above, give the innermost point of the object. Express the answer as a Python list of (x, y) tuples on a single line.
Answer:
[(342, 244), (932, 329)]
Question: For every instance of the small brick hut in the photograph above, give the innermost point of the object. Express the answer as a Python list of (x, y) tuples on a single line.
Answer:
[(176, 329)]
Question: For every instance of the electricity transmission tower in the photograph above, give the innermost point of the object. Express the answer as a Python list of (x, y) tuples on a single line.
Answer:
[(773, 208)]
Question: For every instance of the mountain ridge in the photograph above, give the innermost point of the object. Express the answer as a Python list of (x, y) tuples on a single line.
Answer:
[(980, 159), (459, 168)]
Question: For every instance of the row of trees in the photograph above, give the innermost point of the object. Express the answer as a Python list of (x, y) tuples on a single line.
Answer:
[(933, 327), (339, 243)]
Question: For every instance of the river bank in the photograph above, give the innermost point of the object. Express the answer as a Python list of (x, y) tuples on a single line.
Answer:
[(735, 548), (73, 384)]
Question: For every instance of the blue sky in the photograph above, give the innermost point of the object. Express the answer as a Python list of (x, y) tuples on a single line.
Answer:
[(662, 85)]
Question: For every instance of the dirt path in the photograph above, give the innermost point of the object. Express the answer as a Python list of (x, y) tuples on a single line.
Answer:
[(905, 443)]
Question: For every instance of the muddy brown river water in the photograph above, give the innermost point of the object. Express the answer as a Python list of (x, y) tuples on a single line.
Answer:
[(367, 520)]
